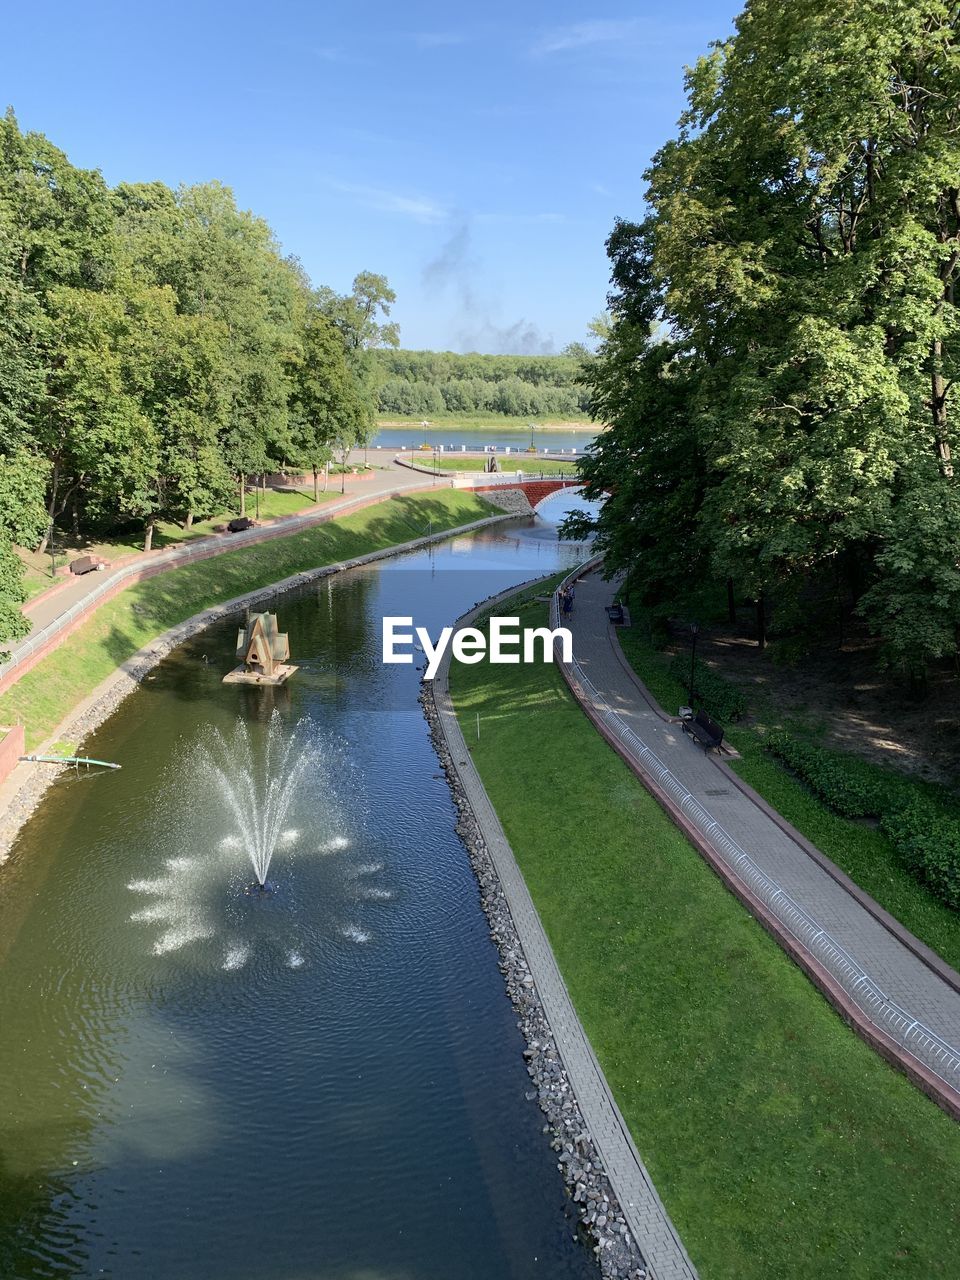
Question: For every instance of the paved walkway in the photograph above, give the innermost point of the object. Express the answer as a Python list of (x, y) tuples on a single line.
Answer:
[(655, 1234), (899, 993), (46, 607)]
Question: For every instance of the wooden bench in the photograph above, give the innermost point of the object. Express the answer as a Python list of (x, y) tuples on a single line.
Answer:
[(706, 731)]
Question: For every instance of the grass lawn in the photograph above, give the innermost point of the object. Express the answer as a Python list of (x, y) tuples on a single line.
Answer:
[(45, 694), (35, 578), (863, 852), (781, 1145)]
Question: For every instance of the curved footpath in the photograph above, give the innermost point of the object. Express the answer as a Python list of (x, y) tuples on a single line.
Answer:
[(63, 606), (637, 1205), (899, 996), (24, 787)]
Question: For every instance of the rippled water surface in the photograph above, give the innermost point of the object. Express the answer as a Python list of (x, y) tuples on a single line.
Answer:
[(323, 1082)]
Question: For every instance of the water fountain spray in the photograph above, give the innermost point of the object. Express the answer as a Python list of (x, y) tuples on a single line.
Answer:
[(258, 785)]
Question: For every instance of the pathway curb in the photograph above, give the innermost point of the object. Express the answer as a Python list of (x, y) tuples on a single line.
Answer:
[(147, 564)]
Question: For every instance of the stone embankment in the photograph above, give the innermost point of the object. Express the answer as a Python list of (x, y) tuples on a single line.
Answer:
[(513, 500), (601, 1217)]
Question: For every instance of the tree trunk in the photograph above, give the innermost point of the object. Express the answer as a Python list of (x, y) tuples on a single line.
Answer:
[(316, 485), (148, 535), (188, 521), (761, 622), (51, 509), (243, 495), (731, 602), (938, 391), (326, 476)]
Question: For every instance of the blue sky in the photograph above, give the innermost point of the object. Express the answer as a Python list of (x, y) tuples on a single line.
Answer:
[(476, 157)]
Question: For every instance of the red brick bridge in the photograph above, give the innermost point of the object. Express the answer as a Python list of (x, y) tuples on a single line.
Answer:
[(537, 491)]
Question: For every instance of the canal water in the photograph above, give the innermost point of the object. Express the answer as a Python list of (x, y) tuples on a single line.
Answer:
[(325, 1083)]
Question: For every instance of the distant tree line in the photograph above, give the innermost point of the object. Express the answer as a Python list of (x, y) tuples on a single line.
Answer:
[(422, 383), (781, 375), (156, 350)]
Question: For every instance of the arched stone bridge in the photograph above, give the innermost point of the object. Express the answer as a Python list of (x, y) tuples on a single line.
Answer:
[(537, 491)]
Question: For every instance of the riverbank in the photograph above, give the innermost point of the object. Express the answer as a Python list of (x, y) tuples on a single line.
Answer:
[(618, 1206), (74, 688), (781, 1144)]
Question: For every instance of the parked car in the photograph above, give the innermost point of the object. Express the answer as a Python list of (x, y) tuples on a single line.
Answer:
[(89, 564)]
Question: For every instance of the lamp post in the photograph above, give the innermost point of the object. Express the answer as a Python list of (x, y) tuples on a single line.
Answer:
[(694, 631)]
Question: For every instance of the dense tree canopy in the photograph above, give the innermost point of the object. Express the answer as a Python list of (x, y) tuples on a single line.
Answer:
[(780, 375), (156, 349), (422, 383)]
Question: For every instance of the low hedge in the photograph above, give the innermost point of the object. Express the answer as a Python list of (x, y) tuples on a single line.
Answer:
[(721, 699), (928, 842), (925, 838), (846, 785)]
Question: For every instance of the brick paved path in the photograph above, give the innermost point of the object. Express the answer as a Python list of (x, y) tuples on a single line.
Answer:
[(886, 979)]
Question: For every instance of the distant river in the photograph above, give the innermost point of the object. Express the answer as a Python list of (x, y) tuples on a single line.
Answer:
[(452, 436)]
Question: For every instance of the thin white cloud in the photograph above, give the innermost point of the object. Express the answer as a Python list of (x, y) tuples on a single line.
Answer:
[(334, 54), (439, 39), (600, 32), (420, 208), (495, 218)]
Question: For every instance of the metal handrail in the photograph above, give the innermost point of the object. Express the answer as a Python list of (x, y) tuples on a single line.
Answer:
[(919, 1040)]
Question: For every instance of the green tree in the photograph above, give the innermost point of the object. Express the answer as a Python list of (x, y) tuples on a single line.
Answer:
[(324, 403), (800, 259), (59, 217), (22, 518)]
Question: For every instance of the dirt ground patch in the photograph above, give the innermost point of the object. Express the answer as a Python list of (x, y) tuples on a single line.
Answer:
[(844, 698)]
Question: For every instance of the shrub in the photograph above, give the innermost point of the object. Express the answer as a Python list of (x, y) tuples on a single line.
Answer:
[(929, 844), (925, 838), (845, 785)]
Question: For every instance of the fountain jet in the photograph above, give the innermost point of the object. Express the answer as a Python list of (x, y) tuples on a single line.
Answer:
[(258, 785)]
